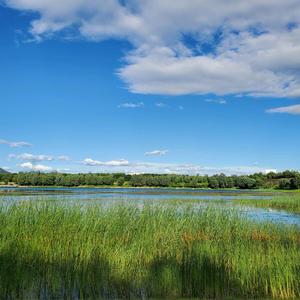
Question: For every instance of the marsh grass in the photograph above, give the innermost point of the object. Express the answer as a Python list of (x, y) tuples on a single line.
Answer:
[(289, 203), (49, 251)]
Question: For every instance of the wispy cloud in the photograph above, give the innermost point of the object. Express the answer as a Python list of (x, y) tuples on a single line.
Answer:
[(217, 101), (292, 110), (29, 166), (157, 153), (63, 158), (31, 157), (169, 168), (112, 163), (160, 104), (131, 105), (15, 144), (35, 158), (66, 170)]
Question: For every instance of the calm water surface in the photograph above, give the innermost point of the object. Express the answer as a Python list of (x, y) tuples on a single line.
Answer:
[(115, 196)]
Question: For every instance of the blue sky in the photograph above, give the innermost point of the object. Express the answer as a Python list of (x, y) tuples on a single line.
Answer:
[(100, 86)]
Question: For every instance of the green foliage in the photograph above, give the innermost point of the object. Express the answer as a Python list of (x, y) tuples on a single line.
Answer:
[(244, 182), (285, 180), (284, 183)]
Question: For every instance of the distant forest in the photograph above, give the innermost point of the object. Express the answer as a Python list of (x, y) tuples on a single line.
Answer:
[(287, 180)]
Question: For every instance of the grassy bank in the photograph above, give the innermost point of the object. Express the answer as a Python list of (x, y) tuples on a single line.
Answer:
[(289, 203), (49, 251)]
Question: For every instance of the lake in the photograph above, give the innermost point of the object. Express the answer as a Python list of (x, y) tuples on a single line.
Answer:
[(141, 196)]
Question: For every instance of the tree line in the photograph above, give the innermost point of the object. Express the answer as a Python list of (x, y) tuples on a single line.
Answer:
[(284, 180)]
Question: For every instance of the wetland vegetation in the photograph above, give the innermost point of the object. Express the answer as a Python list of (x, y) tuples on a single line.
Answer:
[(287, 202), (50, 251), (72, 243)]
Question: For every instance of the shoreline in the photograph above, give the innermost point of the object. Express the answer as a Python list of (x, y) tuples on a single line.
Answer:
[(147, 187)]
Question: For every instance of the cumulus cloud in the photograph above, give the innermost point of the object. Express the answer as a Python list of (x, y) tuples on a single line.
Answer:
[(249, 47), (15, 144), (29, 166), (157, 153), (131, 105), (292, 110)]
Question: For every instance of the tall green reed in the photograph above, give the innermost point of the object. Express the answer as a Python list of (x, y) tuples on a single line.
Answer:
[(50, 251), (288, 202)]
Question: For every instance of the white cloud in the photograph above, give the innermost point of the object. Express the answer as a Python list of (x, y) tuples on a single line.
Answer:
[(131, 105), (141, 20), (112, 163), (168, 168), (66, 170), (266, 171), (256, 51), (35, 158), (35, 167), (15, 144), (173, 75), (293, 110), (31, 157), (157, 153), (217, 101)]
